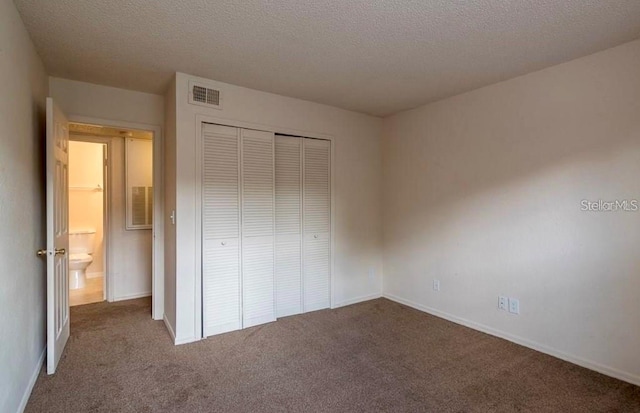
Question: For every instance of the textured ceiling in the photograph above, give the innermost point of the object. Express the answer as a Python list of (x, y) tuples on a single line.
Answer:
[(371, 56)]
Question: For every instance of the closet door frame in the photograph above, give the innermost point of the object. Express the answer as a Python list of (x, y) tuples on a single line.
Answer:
[(200, 119)]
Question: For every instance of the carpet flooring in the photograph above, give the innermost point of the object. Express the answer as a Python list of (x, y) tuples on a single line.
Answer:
[(377, 356)]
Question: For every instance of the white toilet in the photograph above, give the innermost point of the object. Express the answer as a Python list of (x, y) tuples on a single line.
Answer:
[(80, 250)]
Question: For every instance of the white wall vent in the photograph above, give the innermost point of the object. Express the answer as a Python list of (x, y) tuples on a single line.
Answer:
[(204, 95)]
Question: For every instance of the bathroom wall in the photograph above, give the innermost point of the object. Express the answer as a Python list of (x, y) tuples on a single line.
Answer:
[(85, 202)]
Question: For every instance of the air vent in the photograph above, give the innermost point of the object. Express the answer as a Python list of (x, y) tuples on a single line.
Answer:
[(200, 94)]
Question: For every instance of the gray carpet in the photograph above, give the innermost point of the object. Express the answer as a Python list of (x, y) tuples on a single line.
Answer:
[(369, 357)]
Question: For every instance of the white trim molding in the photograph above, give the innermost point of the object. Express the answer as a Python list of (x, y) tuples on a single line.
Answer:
[(172, 333), (32, 381), (95, 274), (608, 371), (357, 300), (133, 296), (167, 324)]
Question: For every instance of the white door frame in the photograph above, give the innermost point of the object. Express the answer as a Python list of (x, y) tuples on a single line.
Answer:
[(157, 265), (199, 120), (106, 207)]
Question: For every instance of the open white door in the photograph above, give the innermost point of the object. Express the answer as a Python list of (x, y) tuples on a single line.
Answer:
[(57, 234)]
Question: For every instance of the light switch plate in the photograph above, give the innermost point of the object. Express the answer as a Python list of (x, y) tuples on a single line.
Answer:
[(503, 302)]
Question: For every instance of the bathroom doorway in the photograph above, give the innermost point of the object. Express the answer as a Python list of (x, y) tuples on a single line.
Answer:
[(87, 219), (125, 241)]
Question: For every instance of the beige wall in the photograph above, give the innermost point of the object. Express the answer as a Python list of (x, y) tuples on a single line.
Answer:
[(483, 191), (23, 89), (86, 205), (357, 168), (104, 102)]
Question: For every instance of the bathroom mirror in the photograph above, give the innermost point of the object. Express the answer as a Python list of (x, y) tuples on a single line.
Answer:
[(139, 183)]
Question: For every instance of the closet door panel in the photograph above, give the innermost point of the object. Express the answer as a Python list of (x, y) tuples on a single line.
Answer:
[(221, 292), (221, 289), (288, 275), (288, 156), (258, 282), (316, 224), (258, 238), (316, 272)]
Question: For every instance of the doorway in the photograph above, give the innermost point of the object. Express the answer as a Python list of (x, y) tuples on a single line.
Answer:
[(87, 218), (127, 189)]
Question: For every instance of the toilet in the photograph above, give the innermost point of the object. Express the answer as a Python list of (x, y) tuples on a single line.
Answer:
[(80, 250)]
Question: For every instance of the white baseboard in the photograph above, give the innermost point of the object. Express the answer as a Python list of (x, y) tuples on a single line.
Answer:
[(357, 300), (172, 333), (169, 328), (94, 274), (132, 296), (186, 340), (609, 371), (32, 381)]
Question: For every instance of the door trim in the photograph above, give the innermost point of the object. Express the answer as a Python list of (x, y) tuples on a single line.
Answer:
[(157, 277), (199, 120)]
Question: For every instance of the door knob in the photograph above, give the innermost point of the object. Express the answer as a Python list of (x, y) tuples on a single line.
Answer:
[(315, 236), (223, 243), (61, 251), (41, 253)]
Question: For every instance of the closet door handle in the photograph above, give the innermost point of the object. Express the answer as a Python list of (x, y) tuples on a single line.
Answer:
[(315, 236), (223, 243)]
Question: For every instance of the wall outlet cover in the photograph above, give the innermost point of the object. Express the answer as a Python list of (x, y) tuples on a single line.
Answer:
[(514, 306), (436, 285)]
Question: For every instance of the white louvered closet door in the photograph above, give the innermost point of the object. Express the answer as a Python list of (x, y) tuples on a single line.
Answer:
[(316, 224), (288, 225), (221, 282), (258, 238)]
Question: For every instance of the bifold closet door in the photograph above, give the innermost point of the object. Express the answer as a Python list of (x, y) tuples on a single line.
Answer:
[(221, 282), (288, 225), (316, 224), (258, 237)]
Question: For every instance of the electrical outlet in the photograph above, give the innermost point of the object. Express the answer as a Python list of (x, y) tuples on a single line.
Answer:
[(436, 285), (503, 302), (372, 275), (514, 306)]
